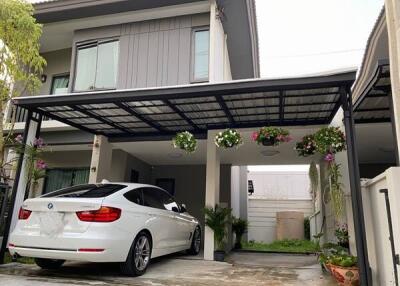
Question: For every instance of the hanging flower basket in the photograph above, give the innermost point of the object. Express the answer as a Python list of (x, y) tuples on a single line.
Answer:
[(271, 136), (228, 139), (330, 140), (306, 147), (185, 141)]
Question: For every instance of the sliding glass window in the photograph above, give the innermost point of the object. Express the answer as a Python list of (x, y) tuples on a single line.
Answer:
[(200, 54), (96, 66)]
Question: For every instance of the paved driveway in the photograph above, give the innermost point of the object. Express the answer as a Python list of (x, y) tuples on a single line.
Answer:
[(247, 269)]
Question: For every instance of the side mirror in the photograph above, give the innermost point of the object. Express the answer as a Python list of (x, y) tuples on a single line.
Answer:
[(183, 208)]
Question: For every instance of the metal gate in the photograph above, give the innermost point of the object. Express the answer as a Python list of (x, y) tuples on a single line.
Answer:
[(4, 206)]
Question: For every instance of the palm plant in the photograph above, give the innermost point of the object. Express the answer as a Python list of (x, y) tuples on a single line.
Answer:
[(239, 227), (217, 218)]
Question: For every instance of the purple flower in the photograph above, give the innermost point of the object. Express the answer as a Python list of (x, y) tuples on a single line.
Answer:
[(19, 138), (38, 142), (329, 157), (41, 165)]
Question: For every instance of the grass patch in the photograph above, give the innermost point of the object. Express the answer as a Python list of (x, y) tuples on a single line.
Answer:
[(25, 260), (285, 246)]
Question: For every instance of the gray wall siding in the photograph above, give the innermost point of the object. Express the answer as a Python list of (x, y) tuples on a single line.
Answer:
[(152, 53)]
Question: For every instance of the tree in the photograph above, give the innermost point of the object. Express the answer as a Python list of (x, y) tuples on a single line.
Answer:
[(20, 61)]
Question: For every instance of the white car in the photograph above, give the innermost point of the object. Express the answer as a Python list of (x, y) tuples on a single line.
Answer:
[(108, 222)]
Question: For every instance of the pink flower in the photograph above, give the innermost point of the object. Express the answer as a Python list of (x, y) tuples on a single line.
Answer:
[(329, 157), (41, 165), (38, 142), (254, 136), (288, 138), (280, 138), (19, 138)]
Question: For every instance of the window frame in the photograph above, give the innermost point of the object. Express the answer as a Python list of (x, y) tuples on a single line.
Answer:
[(89, 44), (55, 76), (163, 191), (193, 79)]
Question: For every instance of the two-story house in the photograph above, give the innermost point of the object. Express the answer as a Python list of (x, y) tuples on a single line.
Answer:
[(110, 46)]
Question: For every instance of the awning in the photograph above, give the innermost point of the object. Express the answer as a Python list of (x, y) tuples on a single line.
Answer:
[(373, 105), (152, 112)]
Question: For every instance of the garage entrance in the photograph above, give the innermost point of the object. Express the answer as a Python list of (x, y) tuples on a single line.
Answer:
[(151, 115)]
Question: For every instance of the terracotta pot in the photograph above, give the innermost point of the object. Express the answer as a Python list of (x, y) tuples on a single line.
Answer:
[(345, 276), (271, 141)]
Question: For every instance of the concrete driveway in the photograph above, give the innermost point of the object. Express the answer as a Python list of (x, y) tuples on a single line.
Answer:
[(242, 269)]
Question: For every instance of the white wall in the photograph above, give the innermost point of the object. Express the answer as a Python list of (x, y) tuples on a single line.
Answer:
[(262, 216), (377, 227), (280, 185)]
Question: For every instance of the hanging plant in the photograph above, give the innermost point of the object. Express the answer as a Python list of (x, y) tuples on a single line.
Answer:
[(228, 138), (271, 136), (314, 179), (330, 140), (185, 141), (306, 146), (336, 189)]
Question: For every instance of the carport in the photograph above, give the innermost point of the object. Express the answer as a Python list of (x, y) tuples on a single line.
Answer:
[(156, 114)]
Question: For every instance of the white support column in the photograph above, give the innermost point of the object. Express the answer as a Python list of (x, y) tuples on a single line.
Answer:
[(100, 165), (212, 190), (19, 199), (217, 45), (392, 8)]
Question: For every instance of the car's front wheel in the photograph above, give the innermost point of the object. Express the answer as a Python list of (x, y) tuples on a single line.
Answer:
[(196, 242), (49, 263), (139, 256)]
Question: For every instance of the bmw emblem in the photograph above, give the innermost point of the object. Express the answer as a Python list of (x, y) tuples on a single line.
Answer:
[(50, 206)]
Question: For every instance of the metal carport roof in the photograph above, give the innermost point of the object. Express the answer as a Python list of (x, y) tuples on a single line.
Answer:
[(150, 112)]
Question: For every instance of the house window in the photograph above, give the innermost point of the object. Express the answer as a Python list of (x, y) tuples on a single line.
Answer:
[(61, 178), (200, 45), (96, 66), (59, 84)]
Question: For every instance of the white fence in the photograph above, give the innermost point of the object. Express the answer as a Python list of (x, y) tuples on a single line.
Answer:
[(262, 216), (377, 225)]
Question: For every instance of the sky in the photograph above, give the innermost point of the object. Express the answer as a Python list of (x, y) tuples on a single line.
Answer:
[(299, 37)]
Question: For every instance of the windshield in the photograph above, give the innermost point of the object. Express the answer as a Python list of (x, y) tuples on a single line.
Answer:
[(86, 191)]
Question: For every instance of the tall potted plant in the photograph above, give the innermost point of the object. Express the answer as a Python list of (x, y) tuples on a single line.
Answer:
[(239, 227), (217, 219)]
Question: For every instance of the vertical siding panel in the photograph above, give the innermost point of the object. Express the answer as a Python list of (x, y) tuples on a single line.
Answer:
[(123, 61), (135, 57), (184, 56), (160, 50), (173, 57), (152, 59), (143, 51), (185, 21), (164, 80), (129, 60)]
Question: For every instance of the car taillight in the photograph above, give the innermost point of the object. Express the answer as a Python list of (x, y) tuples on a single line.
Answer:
[(24, 214), (104, 214)]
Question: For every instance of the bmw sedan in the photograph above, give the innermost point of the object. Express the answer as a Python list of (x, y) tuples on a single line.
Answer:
[(108, 222)]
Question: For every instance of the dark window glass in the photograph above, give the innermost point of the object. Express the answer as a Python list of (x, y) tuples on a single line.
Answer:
[(86, 191), (159, 199), (135, 196), (166, 184)]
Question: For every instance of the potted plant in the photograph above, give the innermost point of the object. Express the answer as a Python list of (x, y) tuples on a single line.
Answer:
[(239, 227), (217, 219), (343, 268), (306, 147), (228, 138), (185, 141), (330, 140), (271, 136)]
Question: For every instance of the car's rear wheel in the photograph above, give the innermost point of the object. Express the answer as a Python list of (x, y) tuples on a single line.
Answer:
[(139, 256), (196, 242), (46, 263)]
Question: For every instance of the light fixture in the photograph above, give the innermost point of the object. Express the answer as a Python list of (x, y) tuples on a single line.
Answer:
[(269, 153), (43, 78)]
